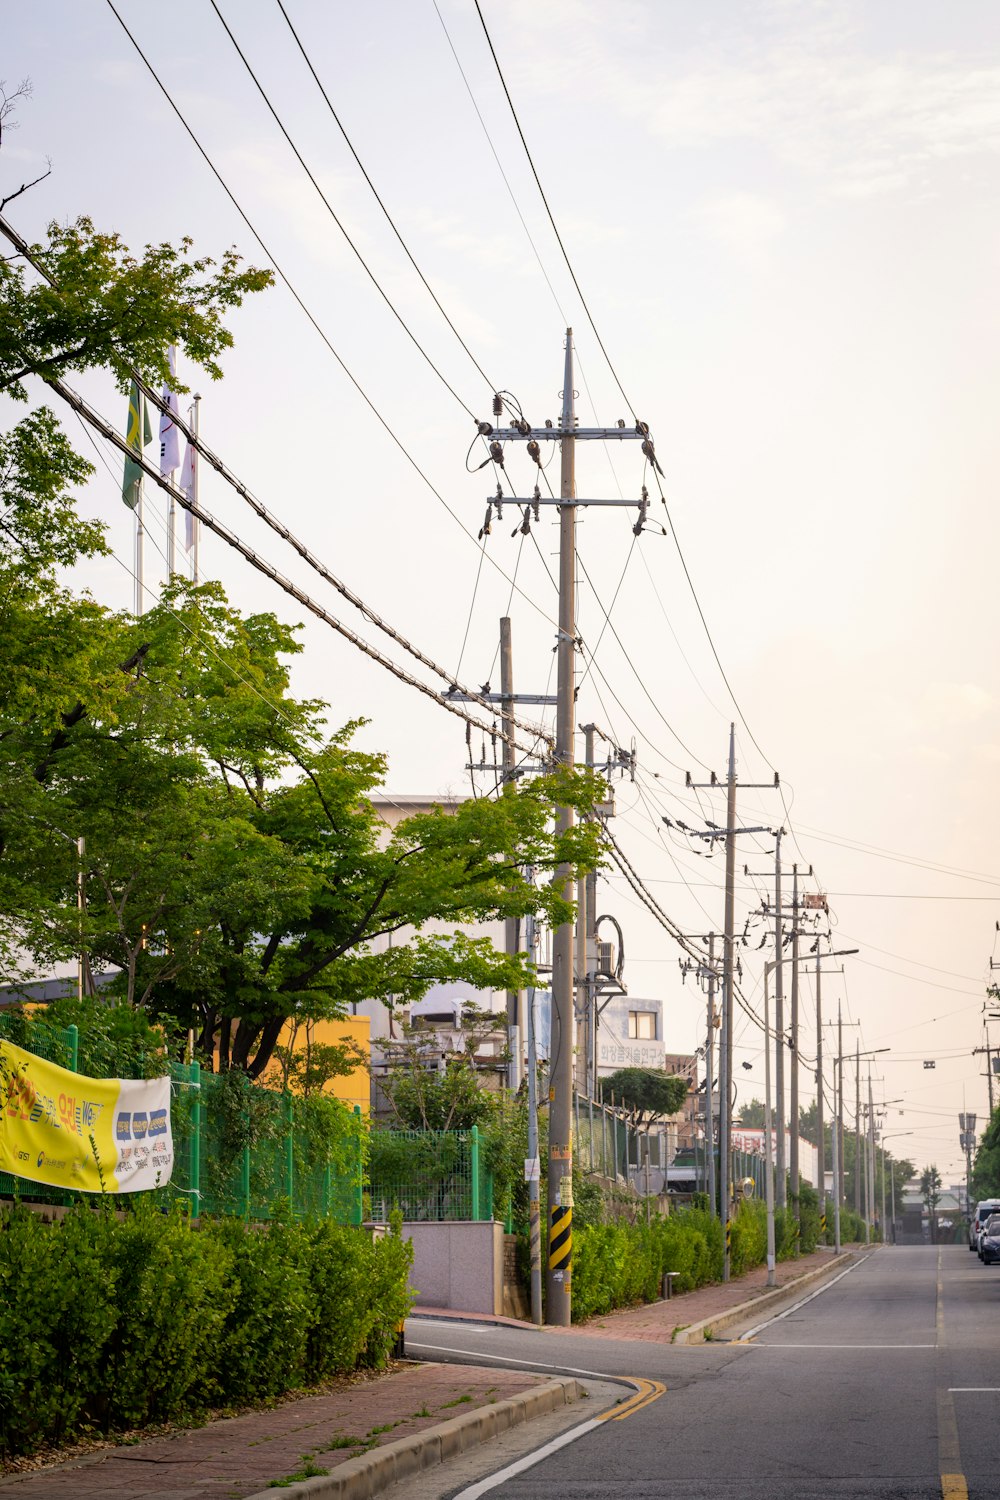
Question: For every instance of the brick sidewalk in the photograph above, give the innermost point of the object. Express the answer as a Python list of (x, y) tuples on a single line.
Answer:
[(656, 1322), (239, 1456)]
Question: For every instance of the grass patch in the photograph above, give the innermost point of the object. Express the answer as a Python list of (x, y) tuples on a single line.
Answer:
[(307, 1471)]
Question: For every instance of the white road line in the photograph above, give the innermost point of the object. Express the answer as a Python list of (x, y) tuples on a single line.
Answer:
[(857, 1346), (528, 1462), (961, 1389), (753, 1332), (531, 1364)]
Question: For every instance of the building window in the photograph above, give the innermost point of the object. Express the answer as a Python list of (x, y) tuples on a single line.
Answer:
[(642, 1025)]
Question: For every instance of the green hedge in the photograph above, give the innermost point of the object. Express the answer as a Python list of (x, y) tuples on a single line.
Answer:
[(616, 1265), (109, 1323)]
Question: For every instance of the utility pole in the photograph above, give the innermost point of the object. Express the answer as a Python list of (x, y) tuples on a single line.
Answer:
[(729, 833), (507, 700), (709, 1082), (820, 1128), (779, 1022), (871, 1158), (560, 1200), (793, 1103), (977, 1052), (568, 434), (857, 1129), (532, 1167), (512, 926), (839, 1175)]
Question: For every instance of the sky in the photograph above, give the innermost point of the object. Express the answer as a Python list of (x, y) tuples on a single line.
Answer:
[(785, 221)]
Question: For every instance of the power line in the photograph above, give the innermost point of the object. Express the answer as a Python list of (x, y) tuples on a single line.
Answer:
[(232, 540), (389, 219), (283, 277), (614, 373), (336, 218), (264, 514), (555, 228)]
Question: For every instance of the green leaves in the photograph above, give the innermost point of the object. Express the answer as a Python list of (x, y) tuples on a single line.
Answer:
[(648, 1095), (111, 310)]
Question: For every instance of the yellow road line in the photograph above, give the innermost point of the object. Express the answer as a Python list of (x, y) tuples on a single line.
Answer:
[(647, 1391), (953, 1485)]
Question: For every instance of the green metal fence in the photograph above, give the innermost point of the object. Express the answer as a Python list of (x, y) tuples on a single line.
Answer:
[(429, 1175), (238, 1148)]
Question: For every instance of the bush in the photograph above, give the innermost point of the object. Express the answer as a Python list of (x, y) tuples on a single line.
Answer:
[(120, 1321), (178, 1290), (617, 1265), (58, 1309)]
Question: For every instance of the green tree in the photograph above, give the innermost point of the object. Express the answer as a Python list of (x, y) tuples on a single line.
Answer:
[(752, 1114), (930, 1192), (985, 1182), (648, 1096)]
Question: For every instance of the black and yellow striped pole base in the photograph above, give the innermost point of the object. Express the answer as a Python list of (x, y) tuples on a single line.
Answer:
[(561, 1243), (822, 1224)]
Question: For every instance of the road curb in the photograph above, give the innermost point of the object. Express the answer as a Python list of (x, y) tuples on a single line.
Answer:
[(697, 1333), (360, 1478)]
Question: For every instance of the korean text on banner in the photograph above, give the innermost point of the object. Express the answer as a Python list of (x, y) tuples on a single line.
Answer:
[(68, 1131)]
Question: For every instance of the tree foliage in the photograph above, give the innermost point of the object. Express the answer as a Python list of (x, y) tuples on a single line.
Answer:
[(986, 1167), (646, 1094), (235, 870), (104, 308)]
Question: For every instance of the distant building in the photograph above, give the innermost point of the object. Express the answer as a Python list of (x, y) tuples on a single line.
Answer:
[(630, 1035)]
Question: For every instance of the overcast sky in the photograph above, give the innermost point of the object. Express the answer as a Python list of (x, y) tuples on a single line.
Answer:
[(785, 220)]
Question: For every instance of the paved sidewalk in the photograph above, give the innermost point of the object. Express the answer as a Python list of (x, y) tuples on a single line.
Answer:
[(240, 1456), (656, 1322), (423, 1412)]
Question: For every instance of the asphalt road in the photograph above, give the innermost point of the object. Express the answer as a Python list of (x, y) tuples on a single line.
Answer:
[(884, 1384)]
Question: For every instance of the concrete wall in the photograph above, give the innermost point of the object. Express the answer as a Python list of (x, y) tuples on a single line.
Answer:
[(457, 1264)]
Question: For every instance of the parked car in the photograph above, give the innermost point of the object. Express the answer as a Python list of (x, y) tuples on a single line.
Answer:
[(984, 1208), (989, 1240)]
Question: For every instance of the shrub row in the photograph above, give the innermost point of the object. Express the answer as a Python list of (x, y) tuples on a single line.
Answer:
[(620, 1264), (616, 1265), (109, 1323)]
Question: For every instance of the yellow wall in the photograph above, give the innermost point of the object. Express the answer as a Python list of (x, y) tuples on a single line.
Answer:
[(354, 1087)]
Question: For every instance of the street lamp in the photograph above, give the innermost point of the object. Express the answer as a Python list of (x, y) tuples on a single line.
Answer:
[(892, 1180)]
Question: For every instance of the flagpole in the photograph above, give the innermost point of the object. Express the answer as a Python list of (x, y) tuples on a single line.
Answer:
[(195, 524), (172, 534), (139, 551)]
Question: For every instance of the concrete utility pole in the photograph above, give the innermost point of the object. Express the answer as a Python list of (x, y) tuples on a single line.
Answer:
[(589, 731), (560, 1203), (532, 1167), (838, 1182), (871, 1158), (857, 1129), (729, 833), (507, 700), (820, 1127), (793, 1103), (779, 1019), (709, 1081), (568, 434), (512, 927)]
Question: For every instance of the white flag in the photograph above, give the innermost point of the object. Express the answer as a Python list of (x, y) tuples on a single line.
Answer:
[(189, 485), (170, 444)]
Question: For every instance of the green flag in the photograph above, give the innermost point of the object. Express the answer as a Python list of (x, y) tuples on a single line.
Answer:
[(138, 412)]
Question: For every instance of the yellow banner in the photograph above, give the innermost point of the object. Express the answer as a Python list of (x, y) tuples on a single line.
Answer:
[(90, 1134)]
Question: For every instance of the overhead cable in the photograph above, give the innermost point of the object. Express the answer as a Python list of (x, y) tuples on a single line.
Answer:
[(298, 299)]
